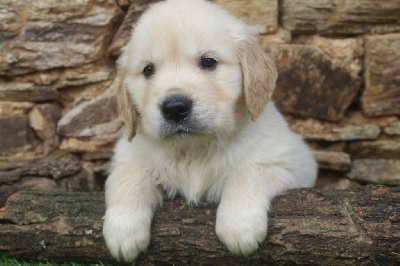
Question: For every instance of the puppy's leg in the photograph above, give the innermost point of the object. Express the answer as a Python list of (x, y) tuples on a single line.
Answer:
[(131, 199), (246, 197)]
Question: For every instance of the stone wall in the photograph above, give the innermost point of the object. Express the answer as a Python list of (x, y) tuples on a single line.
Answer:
[(339, 86)]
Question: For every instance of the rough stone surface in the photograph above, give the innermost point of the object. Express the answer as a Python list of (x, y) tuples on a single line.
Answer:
[(14, 108), (97, 119), (261, 14), (43, 119), (342, 183), (83, 79), (355, 132), (347, 133), (73, 96), (307, 78), (15, 134), (338, 17), (56, 166), (39, 35), (376, 171), (21, 92), (103, 154), (382, 75), (313, 129), (61, 78), (124, 32), (384, 149), (281, 36), (393, 128), (333, 160), (348, 51), (76, 145), (57, 172)]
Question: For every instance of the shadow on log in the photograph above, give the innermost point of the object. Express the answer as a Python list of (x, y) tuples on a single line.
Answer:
[(306, 226)]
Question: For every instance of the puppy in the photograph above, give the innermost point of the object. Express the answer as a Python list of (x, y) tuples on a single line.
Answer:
[(195, 90)]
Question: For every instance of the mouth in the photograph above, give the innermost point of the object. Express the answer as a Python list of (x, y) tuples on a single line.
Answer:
[(181, 136), (182, 132)]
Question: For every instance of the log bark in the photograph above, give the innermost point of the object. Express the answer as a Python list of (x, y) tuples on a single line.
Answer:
[(306, 226)]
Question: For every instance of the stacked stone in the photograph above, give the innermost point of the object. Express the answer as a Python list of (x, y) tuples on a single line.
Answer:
[(339, 82)]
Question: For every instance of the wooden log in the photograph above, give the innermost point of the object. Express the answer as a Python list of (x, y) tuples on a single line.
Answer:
[(306, 226)]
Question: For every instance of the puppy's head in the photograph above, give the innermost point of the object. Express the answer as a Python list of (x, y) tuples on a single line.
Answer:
[(191, 69)]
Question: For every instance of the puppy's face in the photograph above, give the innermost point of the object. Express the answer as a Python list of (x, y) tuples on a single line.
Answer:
[(188, 69)]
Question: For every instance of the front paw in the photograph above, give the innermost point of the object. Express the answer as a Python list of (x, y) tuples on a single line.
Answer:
[(241, 232), (126, 235)]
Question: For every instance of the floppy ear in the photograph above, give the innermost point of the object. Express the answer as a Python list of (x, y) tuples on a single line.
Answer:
[(126, 108), (259, 76)]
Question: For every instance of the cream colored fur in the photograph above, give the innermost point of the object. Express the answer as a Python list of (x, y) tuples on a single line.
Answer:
[(228, 158)]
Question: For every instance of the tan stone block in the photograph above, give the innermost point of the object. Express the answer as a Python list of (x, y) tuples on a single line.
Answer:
[(41, 35), (14, 108), (347, 133), (103, 154), (43, 119), (261, 14), (382, 74), (308, 78), (96, 119), (83, 79), (342, 183), (333, 160), (349, 129), (340, 17), (65, 77), (71, 97), (21, 92), (376, 171), (393, 128), (380, 149), (77, 145), (348, 51), (280, 37)]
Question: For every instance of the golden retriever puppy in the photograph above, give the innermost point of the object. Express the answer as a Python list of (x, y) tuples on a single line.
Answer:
[(195, 96)]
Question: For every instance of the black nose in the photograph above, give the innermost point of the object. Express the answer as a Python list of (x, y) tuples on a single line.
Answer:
[(176, 108)]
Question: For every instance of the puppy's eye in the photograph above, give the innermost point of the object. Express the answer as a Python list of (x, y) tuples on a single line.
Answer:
[(208, 63), (149, 70)]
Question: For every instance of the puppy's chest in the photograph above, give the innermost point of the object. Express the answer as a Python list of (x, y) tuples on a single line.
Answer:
[(194, 176)]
